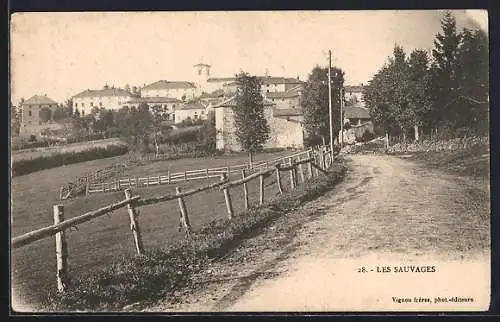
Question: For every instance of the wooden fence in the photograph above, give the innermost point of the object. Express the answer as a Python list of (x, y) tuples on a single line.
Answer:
[(317, 161), (188, 175)]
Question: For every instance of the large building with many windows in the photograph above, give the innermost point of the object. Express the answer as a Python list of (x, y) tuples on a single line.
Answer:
[(108, 98), (163, 88)]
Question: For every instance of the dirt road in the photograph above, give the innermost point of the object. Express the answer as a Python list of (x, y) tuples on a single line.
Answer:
[(390, 237)]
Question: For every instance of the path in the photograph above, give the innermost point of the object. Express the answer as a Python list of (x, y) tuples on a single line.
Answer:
[(388, 212)]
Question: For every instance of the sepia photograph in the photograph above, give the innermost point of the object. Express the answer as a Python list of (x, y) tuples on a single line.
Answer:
[(250, 161)]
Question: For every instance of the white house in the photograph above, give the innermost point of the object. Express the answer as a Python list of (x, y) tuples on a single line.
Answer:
[(108, 98), (190, 110), (168, 105), (174, 89), (269, 84)]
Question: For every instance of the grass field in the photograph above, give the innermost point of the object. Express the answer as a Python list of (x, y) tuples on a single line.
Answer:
[(28, 154), (96, 243)]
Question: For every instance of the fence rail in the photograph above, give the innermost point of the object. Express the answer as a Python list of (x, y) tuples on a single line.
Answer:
[(319, 160), (188, 175)]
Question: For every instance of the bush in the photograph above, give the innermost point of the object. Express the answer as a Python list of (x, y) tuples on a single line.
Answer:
[(46, 162)]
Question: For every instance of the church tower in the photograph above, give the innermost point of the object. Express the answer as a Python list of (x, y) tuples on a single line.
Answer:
[(202, 74)]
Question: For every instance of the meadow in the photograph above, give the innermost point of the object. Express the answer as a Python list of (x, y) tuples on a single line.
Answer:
[(99, 242)]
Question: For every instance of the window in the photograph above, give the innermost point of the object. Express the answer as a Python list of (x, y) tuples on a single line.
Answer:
[(83, 112), (173, 106), (83, 104), (29, 113), (119, 103), (100, 104), (76, 104), (202, 112), (195, 116), (91, 104)]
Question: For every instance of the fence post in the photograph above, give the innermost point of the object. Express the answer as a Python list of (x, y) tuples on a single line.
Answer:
[(245, 188), (261, 189), (168, 176), (309, 165), (134, 224), (227, 197), (292, 177), (315, 159), (278, 178), (87, 186), (137, 181), (184, 214), (118, 187), (61, 251), (301, 172), (185, 175), (206, 172)]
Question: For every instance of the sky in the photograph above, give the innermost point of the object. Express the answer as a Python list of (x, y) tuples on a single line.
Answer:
[(62, 54)]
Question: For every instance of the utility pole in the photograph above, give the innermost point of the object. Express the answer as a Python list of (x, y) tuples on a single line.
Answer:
[(330, 98), (341, 117)]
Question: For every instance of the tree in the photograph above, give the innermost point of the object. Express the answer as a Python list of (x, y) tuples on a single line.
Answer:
[(419, 87), (135, 125), (68, 107), (252, 130), (59, 114), (45, 114), (444, 67), (315, 105), (15, 121), (473, 80), (158, 118)]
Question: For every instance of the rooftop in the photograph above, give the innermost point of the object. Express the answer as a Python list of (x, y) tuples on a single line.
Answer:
[(164, 84), (356, 112), (288, 112), (154, 100), (39, 100), (192, 106), (230, 102), (103, 92), (353, 88), (215, 94), (263, 79)]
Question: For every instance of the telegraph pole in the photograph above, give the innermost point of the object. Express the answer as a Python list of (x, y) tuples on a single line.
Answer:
[(330, 98)]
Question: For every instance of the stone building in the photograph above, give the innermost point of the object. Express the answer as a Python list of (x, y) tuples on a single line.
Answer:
[(286, 129), (29, 112)]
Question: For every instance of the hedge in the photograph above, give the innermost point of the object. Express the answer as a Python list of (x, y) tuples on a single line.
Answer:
[(22, 167)]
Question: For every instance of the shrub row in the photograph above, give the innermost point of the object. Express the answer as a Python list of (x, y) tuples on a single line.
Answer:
[(164, 273), (46, 162), (439, 145), (47, 141)]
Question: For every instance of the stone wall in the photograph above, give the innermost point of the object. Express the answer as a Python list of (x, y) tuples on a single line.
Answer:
[(442, 145)]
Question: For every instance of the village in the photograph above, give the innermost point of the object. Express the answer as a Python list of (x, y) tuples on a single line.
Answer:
[(181, 101)]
